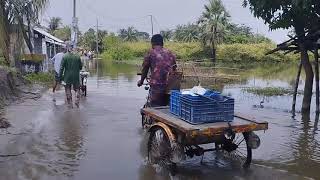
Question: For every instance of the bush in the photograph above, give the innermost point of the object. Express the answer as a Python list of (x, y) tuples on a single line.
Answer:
[(116, 49), (42, 78), (2, 61), (138, 49), (252, 53), (182, 50)]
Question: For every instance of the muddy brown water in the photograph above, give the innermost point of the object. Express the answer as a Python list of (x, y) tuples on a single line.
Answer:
[(103, 139)]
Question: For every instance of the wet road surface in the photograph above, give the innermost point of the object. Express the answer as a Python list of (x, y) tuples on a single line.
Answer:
[(103, 139)]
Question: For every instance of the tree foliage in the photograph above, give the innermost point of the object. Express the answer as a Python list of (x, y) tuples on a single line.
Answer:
[(214, 22), (54, 24), (187, 33), (14, 15), (63, 33), (303, 17), (89, 39), (129, 34), (167, 34)]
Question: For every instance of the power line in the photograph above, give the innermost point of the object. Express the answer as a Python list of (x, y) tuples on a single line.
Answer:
[(88, 5)]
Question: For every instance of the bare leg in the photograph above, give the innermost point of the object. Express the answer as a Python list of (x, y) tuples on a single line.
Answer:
[(68, 95), (54, 86), (77, 94)]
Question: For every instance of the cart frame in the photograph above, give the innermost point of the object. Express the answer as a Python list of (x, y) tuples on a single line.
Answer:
[(188, 138)]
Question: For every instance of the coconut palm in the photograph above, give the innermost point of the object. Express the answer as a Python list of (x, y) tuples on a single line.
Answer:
[(18, 16), (166, 34), (129, 34), (214, 22), (187, 33), (54, 24)]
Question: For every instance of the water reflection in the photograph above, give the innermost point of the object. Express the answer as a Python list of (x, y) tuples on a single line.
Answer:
[(102, 139)]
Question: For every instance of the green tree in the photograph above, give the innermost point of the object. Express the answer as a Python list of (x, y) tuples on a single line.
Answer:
[(166, 34), (54, 24), (18, 15), (63, 33), (214, 22), (89, 39), (302, 16), (243, 34), (129, 34), (187, 33), (143, 36)]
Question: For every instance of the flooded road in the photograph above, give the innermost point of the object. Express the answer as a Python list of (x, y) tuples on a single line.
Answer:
[(103, 139)]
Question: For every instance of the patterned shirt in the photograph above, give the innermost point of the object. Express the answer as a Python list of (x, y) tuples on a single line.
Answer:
[(160, 61)]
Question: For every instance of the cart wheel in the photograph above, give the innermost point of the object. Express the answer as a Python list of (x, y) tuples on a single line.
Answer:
[(143, 120), (159, 148), (238, 149)]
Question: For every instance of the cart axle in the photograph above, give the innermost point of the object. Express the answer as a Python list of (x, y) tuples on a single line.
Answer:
[(197, 151)]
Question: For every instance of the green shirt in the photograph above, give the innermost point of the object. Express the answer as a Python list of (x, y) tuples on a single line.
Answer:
[(70, 69)]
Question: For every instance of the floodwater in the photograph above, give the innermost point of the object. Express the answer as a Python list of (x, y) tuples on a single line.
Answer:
[(103, 139)]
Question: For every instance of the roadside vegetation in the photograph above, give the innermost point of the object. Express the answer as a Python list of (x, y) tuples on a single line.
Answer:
[(212, 38), (270, 91), (45, 79)]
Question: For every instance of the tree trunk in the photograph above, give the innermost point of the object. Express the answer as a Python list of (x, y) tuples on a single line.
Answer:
[(4, 33), (212, 44), (213, 55), (316, 57), (296, 85), (27, 38), (307, 95), (309, 79)]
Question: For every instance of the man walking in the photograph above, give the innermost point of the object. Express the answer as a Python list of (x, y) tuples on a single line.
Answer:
[(57, 64), (70, 74), (161, 62)]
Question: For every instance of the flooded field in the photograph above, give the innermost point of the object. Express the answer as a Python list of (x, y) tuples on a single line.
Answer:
[(103, 139)]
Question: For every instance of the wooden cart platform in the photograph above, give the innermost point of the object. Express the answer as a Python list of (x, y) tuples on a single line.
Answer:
[(195, 133)]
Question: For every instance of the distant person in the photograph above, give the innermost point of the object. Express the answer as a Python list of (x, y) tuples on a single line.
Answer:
[(161, 62), (90, 55), (70, 74), (57, 64)]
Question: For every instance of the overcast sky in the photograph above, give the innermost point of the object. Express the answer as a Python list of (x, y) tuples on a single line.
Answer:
[(116, 14)]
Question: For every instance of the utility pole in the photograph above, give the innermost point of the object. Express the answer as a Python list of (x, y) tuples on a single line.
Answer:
[(74, 33), (97, 50), (151, 18), (97, 38)]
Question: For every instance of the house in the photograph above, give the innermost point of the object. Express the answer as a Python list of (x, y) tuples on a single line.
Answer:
[(45, 47)]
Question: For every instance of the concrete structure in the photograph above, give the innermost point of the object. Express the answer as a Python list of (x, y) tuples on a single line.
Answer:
[(45, 47)]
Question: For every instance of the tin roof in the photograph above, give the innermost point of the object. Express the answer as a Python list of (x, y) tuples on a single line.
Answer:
[(49, 37)]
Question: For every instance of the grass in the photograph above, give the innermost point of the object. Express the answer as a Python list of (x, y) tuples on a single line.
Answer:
[(270, 91), (2, 61), (41, 78), (232, 53), (248, 53)]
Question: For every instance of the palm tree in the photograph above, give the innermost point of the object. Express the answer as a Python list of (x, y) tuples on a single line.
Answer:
[(166, 34), (214, 22), (129, 34), (54, 24), (187, 33), (18, 16)]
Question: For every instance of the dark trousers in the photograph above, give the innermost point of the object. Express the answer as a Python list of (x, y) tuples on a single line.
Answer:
[(159, 97)]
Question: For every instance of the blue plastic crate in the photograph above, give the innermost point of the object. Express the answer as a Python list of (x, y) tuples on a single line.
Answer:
[(175, 104), (198, 109)]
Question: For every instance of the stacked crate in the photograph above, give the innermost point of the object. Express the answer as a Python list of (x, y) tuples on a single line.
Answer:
[(209, 108)]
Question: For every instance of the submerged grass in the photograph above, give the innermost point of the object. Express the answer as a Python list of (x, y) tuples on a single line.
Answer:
[(41, 78), (270, 91)]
